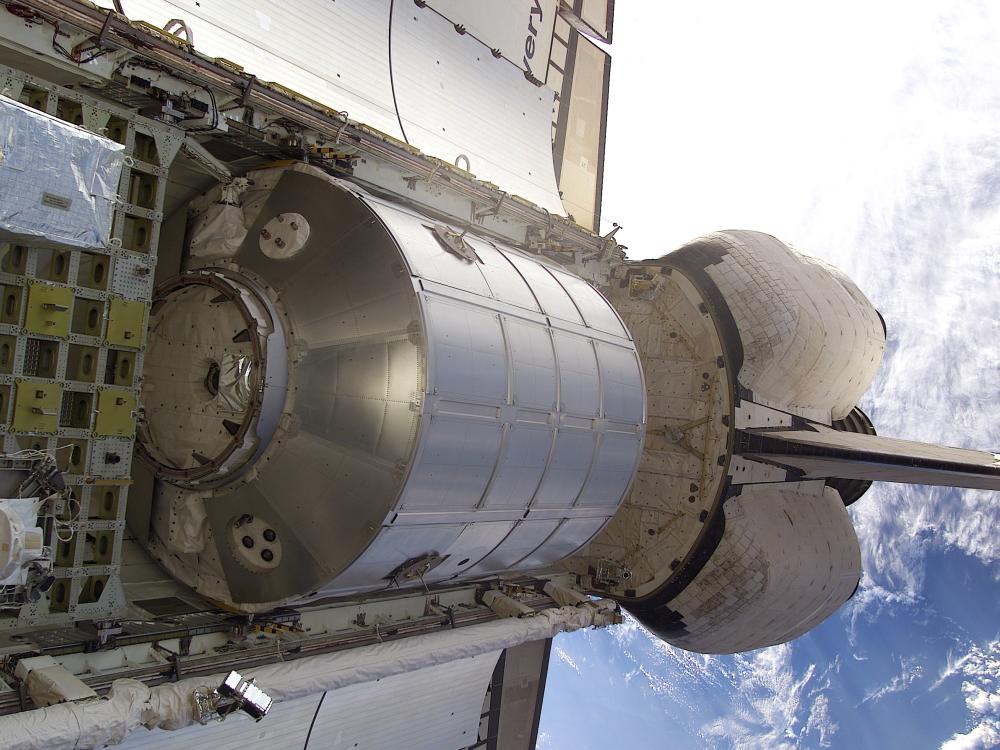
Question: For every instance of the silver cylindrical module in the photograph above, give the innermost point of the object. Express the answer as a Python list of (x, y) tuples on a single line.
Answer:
[(453, 407)]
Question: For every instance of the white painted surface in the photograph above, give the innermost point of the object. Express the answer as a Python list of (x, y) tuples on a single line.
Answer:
[(436, 708), (812, 342), (448, 669), (789, 558), (749, 414), (292, 44), (453, 96), (285, 726), (746, 471), (507, 26)]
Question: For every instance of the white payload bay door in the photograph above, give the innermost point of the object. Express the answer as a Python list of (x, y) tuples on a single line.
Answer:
[(435, 708), (521, 30), (401, 69)]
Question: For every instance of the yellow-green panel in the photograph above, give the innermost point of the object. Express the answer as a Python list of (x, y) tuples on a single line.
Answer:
[(36, 406), (48, 309), (115, 413), (126, 323)]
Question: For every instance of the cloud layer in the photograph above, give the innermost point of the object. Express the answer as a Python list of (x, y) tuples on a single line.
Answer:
[(870, 137)]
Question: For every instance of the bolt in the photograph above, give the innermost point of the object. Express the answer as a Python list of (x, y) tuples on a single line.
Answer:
[(295, 226), (279, 242), (265, 234)]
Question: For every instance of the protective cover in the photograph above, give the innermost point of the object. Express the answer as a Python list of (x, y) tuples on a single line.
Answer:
[(131, 704), (58, 182), (403, 69)]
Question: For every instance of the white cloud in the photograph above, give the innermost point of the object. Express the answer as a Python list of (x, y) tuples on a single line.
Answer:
[(567, 659), (981, 737), (882, 161), (979, 669), (913, 215), (544, 741), (911, 670), (819, 721), (770, 705), (774, 708)]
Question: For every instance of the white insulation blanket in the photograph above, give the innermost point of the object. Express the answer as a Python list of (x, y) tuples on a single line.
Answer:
[(131, 704)]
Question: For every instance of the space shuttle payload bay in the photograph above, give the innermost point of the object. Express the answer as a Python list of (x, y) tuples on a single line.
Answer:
[(323, 397)]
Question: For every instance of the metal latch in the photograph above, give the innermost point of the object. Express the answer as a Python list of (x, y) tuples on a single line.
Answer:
[(454, 242)]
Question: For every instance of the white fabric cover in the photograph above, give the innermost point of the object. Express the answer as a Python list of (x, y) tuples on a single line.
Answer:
[(51, 685), (505, 606), (565, 596), (91, 723), (83, 724), (218, 232)]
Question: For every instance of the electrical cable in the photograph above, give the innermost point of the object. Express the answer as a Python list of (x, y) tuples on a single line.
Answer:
[(59, 524), (313, 722)]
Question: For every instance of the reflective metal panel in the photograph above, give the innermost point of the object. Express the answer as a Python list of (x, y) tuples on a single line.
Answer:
[(596, 311), (612, 472), (468, 357), (579, 382), (535, 383), (505, 282), (433, 412), (564, 542), (393, 547), (623, 398), (507, 26), (520, 467), (526, 537), (549, 292), (427, 258), (455, 463), (568, 467), (514, 410), (476, 541), (281, 42), (454, 97)]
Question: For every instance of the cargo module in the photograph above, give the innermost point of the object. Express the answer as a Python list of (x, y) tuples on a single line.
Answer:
[(326, 403)]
